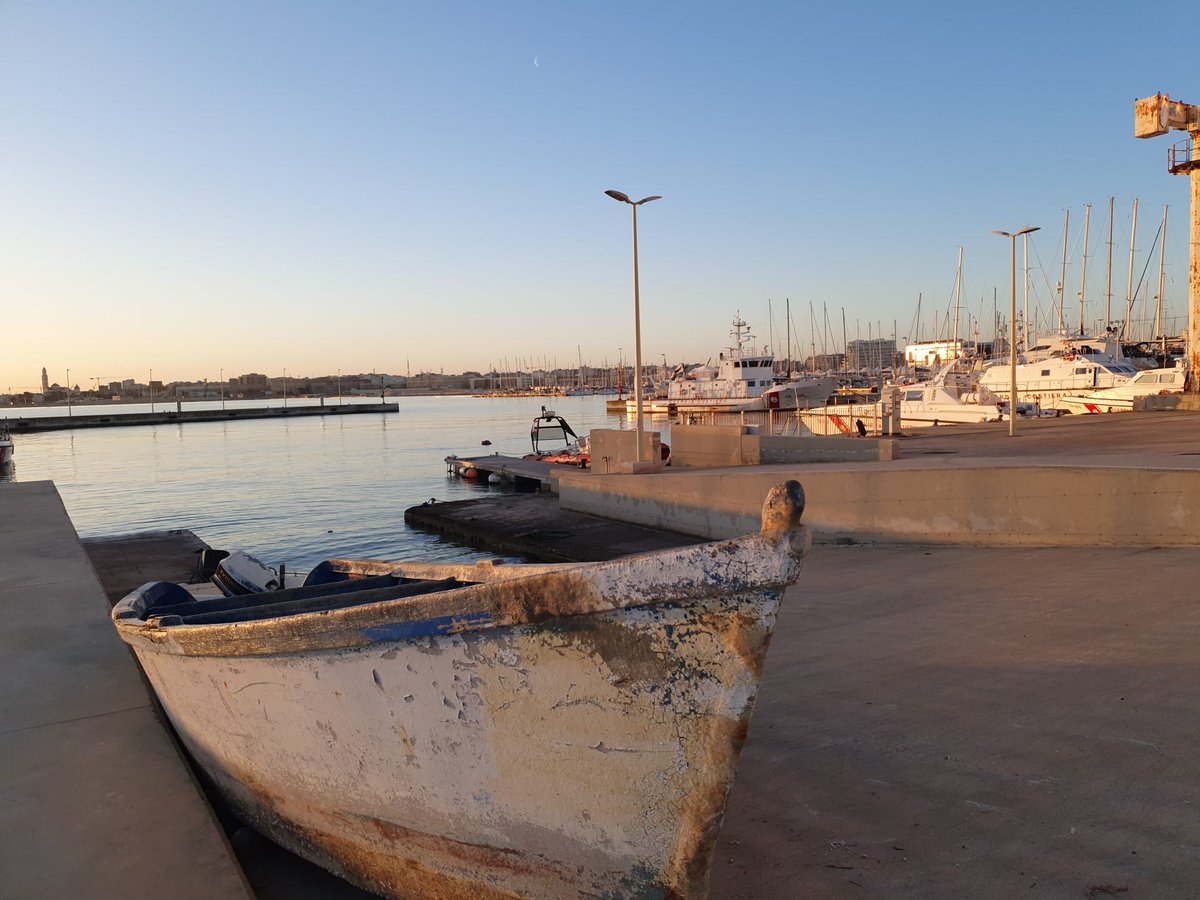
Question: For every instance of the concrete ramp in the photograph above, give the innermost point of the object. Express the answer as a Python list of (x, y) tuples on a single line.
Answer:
[(95, 801)]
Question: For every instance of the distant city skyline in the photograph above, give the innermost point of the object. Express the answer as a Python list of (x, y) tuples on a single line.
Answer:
[(397, 187)]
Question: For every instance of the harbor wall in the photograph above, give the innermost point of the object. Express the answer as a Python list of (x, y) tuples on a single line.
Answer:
[(1167, 403), (708, 446), (1007, 505)]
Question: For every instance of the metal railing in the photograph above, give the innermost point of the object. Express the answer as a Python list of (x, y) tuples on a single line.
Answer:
[(1181, 157), (840, 419)]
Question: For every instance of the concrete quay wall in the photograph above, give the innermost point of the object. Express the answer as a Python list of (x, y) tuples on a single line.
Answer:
[(1048, 506)]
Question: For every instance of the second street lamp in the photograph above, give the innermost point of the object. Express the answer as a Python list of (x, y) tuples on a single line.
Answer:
[(1012, 328), (637, 322)]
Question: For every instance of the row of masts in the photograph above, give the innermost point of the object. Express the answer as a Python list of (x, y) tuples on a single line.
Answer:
[(1131, 293), (1120, 328)]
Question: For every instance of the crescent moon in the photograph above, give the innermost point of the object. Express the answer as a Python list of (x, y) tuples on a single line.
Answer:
[(536, 63)]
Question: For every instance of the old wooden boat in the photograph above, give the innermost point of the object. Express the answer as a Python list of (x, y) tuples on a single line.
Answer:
[(488, 730)]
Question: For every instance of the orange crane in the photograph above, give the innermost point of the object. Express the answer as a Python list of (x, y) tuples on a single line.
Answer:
[(1158, 115)]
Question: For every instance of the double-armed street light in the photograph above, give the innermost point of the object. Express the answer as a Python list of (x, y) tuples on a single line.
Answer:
[(637, 321), (1012, 328)]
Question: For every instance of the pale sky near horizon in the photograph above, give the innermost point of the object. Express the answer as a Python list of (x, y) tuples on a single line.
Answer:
[(196, 186)]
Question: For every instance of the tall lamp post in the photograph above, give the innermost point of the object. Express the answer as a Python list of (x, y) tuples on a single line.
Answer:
[(222, 377), (1012, 328), (150, 385), (637, 322), (68, 392)]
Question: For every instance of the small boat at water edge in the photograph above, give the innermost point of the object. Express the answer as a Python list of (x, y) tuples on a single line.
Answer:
[(489, 730), (551, 429)]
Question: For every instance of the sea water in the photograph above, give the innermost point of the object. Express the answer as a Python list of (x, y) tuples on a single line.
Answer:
[(292, 490)]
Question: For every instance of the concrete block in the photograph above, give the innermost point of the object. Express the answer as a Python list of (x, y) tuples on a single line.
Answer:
[(611, 449)]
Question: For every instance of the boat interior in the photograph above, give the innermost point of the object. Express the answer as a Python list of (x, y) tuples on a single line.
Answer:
[(329, 587)]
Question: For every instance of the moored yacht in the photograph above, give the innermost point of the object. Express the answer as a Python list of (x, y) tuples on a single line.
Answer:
[(945, 399), (1121, 397), (1064, 366), (743, 379)]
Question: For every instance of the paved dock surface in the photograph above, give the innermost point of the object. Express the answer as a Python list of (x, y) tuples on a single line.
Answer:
[(95, 800), (950, 722), (1150, 440)]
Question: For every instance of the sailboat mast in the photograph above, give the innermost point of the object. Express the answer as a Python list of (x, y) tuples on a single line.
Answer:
[(845, 345), (1108, 283), (771, 332), (1087, 218), (1162, 252), (957, 299), (1129, 289), (788, 318), (812, 334), (1062, 283), (1025, 266)]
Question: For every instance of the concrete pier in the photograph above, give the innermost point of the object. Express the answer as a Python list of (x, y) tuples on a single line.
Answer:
[(96, 801), (173, 414)]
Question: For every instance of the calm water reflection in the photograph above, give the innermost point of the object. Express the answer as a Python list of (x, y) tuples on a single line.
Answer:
[(292, 490)]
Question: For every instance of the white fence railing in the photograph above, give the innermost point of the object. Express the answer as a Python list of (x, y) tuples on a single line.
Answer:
[(847, 419)]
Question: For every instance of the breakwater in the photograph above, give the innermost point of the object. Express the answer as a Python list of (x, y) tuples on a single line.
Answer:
[(177, 415)]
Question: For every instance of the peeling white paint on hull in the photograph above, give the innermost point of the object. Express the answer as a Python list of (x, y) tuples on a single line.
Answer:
[(568, 746)]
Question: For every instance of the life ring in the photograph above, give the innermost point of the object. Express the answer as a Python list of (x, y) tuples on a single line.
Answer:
[(1069, 357)]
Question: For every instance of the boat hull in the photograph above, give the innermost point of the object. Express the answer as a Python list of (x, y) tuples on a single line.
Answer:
[(573, 732), (580, 761)]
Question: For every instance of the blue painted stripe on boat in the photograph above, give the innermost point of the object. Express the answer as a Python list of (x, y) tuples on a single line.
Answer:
[(426, 627)]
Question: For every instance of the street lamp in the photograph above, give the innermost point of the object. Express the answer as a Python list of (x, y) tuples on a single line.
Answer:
[(339, 387), (1012, 328), (222, 377), (69, 392), (637, 321), (150, 384), (285, 388)]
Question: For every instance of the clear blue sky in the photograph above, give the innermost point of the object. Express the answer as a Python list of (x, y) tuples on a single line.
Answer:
[(192, 187)]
